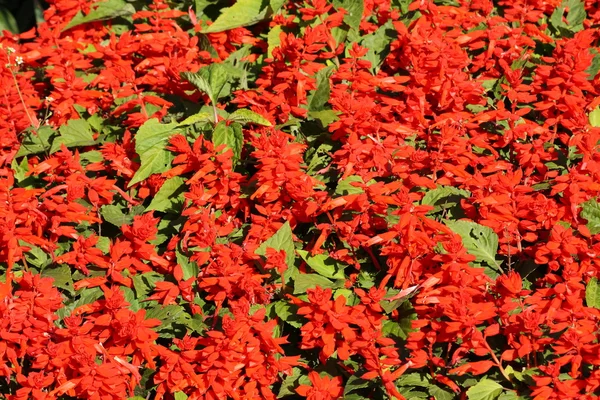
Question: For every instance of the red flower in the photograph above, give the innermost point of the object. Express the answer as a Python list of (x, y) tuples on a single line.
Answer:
[(324, 388)]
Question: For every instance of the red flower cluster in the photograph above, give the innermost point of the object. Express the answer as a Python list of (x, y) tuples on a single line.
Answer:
[(328, 199)]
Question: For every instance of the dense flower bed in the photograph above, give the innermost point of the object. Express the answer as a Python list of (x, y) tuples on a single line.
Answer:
[(261, 199)]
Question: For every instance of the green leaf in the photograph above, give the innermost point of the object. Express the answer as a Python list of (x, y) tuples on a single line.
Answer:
[(354, 9), (287, 312), (189, 268), (219, 77), (434, 196), (323, 265), (20, 169), (244, 116), (200, 82), (577, 13), (243, 13), (319, 159), (355, 383), (591, 212), (575, 17), (509, 396), (173, 319), (273, 39), (345, 187), (36, 256), (594, 67), (414, 379), (144, 283), (480, 241), (230, 135), (196, 118), (444, 198), (320, 97), (7, 21), (103, 244), (402, 326), (180, 396), (440, 394), (592, 293), (33, 143), (150, 144), (84, 296), (378, 44), (595, 117), (485, 389), (114, 215), (325, 117), (102, 11), (61, 275), (389, 306), (412, 393), (130, 297), (281, 240), (302, 282), (76, 133), (91, 157), (289, 383), (169, 196)]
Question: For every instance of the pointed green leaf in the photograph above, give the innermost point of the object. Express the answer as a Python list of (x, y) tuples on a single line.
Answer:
[(594, 67), (244, 116), (273, 39), (320, 96), (36, 256), (230, 135), (400, 327), (84, 296), (485, 389), (440, 394), (574, 18), (169, 195), (591, 212), (243, 13), (592, 293), (102, 11), (354, 10), (595, 118), (200, 82), (189, 268), (196, 118), (180, 396), (290, 383), (61, 275), (302, 282), (287, 312), (144, 283), (577, 13), (150, 144), (7, 21), (345, 187), (281, 240), (35, 143), (378, 43), (20, 169), (355, 383), (434, 196), (76, 133), (323, 265), (115, 215), (480, 241)]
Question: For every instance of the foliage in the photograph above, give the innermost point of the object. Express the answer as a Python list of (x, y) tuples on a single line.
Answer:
[(254, 199)]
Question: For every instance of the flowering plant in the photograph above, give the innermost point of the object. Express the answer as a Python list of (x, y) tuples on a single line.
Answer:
[(255, 199)]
